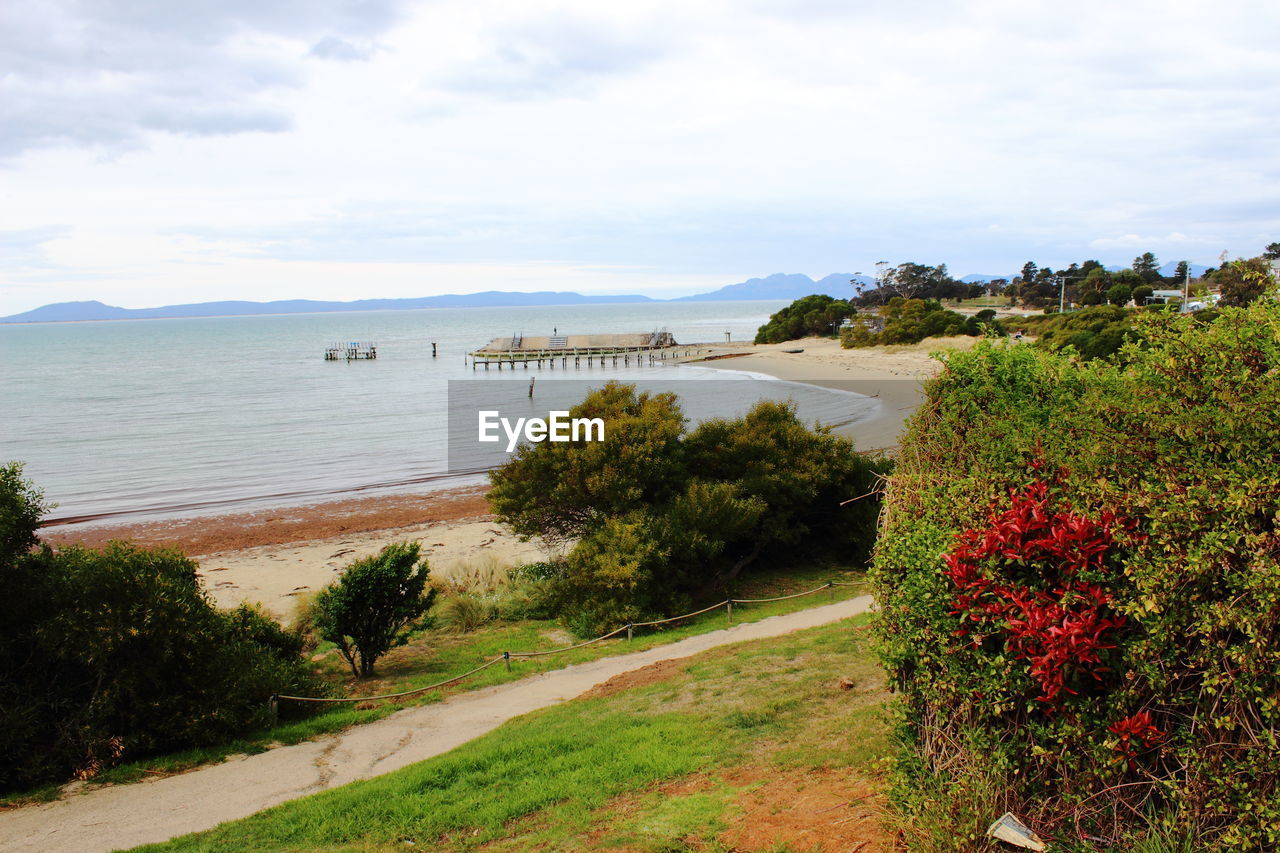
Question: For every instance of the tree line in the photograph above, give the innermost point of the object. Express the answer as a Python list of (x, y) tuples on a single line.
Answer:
[(1083, 283)]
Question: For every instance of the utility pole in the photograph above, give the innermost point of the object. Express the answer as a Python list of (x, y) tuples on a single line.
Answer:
[(1186, 288)]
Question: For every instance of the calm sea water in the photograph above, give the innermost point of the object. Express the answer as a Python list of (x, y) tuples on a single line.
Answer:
[(147, 418)]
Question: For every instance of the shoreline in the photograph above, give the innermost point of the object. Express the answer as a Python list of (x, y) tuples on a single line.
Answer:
[(276, 555), (892, 375), (213, 533), (279, 556)]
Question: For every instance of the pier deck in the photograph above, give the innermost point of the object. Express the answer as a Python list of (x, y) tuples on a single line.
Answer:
[(640, 347), (353, 351)]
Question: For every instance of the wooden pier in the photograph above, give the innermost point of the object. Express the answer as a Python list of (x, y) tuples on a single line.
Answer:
[(626, 349), (353, 351)]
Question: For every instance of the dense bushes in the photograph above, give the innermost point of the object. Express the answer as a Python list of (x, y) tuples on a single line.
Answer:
[(808, 316), (1094, 332), (1079, 575), (909, 321), (111, 654), (663, 515)]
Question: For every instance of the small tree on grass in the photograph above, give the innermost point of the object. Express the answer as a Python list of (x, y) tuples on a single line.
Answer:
[(374, 606)]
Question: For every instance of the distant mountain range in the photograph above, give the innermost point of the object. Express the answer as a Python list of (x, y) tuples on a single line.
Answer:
[(780, 286)]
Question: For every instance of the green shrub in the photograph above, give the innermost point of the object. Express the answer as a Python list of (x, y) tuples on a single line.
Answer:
[(662, 516), (1242, 281), (464, 612), (1079, 579), (111, 654), (816, 315), (909, 321), (374, 605), (541, 571), (526, 598), (1097, 332)]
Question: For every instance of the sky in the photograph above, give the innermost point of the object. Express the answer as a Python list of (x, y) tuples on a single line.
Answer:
[(154, 152)]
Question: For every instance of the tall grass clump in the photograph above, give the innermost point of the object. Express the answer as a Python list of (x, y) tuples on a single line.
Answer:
[(1079, 575)]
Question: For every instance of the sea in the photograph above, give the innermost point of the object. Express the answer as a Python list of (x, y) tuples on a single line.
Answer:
[(145, 419)]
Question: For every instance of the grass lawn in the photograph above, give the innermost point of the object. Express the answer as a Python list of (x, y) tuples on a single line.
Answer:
[(434, 655), (751, 746)]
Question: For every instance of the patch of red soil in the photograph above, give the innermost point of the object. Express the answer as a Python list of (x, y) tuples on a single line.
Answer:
[(651, 674), (824, 811), (233, 532)]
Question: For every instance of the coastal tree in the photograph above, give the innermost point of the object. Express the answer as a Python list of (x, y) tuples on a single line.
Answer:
[(814, 315), (374, 605), (21, 507), (1242, 281), (1119, 294), (1096, 280), (560, 491), (1147, 265), (913, 281), (662, 516)]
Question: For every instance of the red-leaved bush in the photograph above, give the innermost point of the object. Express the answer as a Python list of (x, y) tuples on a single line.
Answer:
[(1134, 728), (1021, 577), (1107, 687)]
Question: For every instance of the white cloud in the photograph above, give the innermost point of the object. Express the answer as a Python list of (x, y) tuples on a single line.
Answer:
[(1137, 241), (700, 142)]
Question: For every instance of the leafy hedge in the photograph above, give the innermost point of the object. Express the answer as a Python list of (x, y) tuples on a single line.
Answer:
[(909, 321), (665, 516), (1095, 332), (1079, 575), (817, 315), (110, 654)]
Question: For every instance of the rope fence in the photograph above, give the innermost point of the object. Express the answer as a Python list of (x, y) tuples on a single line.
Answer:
[(506, 657)]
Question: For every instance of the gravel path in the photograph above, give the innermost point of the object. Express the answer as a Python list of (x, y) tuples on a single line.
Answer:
[(124, 816)]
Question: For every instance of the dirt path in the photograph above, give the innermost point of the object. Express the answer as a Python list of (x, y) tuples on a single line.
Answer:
[(128, 815)]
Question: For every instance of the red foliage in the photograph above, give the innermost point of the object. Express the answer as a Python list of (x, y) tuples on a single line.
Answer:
[(1136, 727), (1018, 577)]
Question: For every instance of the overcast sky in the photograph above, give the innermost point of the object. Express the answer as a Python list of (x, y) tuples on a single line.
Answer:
[(154, 152)]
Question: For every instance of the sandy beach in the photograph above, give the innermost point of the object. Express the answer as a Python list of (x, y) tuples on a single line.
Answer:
[(893, 375), (276, 556)]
